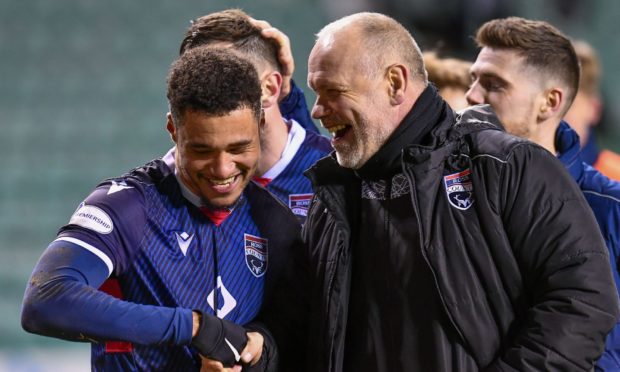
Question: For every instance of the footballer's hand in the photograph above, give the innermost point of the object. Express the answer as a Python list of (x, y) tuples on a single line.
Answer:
[(250, 356), (220, 340), (210, 365), (285, 54)]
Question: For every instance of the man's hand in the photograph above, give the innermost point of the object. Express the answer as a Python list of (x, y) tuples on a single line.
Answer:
[(253, 349), (250, 355), (285, 55)]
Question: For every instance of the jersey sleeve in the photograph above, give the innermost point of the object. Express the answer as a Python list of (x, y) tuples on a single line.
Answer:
[(62, 298), (62, 301), (109, 223)]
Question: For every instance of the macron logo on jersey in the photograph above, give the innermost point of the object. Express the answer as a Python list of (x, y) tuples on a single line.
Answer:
[(92, 218), (118, 186), (184, 240)]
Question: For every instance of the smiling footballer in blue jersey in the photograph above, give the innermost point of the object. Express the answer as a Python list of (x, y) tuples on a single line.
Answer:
[(173, 261)]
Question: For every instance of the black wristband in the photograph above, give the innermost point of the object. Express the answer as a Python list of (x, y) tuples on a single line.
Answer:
[(220, 340)]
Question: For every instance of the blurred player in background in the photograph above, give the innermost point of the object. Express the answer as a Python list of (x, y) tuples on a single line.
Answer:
[(450, 76), (585, 113)]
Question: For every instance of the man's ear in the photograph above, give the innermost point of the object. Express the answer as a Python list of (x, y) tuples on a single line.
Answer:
[(397, 76), (551, 103), (271, 84), (170, 126)]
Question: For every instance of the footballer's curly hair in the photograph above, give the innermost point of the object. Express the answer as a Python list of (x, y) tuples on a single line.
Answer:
[(214, 81)]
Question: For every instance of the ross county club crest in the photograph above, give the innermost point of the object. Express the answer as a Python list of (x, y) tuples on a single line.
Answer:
[(256, 254), (459, 189), (299, 203)]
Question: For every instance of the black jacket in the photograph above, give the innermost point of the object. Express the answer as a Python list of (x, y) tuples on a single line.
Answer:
[(523, 273)]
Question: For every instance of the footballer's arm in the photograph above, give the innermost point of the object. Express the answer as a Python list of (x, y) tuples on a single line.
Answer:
[(62, 300)]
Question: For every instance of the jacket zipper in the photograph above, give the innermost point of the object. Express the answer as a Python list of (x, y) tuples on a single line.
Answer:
[(416, 210), (330, 284)]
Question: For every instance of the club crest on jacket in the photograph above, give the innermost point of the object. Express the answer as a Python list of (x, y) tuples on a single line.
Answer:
[(459, 189)]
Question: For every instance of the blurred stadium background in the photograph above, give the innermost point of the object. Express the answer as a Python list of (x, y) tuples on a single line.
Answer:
[(83, 98)]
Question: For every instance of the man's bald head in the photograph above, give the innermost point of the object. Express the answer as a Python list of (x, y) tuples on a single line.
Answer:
[(375, 41)]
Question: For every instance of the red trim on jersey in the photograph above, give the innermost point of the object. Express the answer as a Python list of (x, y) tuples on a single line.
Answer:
[(217, 216), (262, 181), (112, 288)]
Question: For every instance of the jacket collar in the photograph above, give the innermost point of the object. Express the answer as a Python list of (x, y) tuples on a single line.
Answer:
[(417, 124), (445, 138), (569, 153)]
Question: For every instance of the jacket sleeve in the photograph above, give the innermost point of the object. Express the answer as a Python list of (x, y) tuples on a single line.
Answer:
[(571, 301), (62, 300), (294, 107)]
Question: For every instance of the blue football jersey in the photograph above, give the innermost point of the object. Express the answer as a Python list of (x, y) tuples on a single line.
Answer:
[(286, 178), (163, 250)]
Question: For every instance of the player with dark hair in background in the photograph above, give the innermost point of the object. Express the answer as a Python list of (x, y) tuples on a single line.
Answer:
[(586, 110), (289, 141), (191, 244)]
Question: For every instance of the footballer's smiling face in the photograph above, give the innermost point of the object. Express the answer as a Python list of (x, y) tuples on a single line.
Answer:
[(216, 156)]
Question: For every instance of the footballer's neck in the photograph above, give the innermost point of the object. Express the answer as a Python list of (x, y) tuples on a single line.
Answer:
[(273, 140)]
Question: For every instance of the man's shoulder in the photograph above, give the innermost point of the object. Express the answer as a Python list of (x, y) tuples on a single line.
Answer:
[(608, 163), (599, 187), (128, 190), (272, 217), (318, 142), (264, 201), (486, 134), (152, 172)]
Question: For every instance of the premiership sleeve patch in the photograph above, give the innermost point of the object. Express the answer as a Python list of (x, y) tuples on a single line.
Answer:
[(459, 189), (255, 254), (92, 218)]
